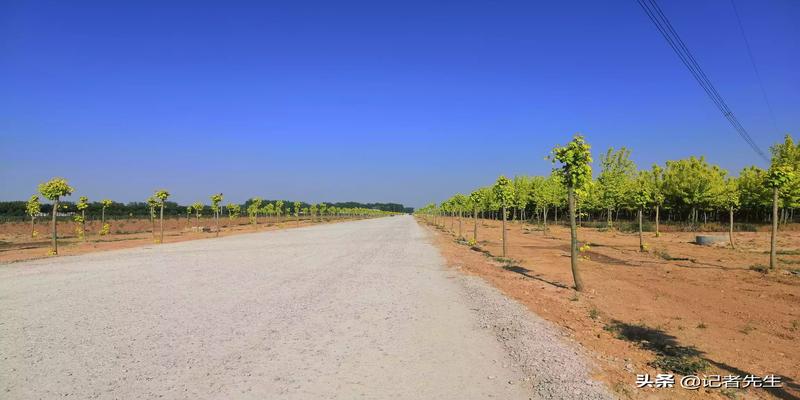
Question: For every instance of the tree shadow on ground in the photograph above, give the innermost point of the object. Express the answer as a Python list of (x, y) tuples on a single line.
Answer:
[(671, 355), (527, 273)]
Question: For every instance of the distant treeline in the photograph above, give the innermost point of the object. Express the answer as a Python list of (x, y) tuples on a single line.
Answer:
[(16, 209)]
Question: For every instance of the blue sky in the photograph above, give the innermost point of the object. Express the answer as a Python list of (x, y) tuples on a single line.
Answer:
[(371, 101)]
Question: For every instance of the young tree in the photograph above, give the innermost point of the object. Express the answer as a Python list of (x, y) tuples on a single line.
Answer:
[(152, 204), (278, 210), (547, 192), (729, 199), (162, 196), (655, 185), (617, 172), (253, 208), (83, 204), (778, 177), (198, 210), (642, 197), (576, 170), (692, 183), (216, 200), (33, 208), (233, 211), (270, 209), (460, 203), (54, 190), (313, 212), (297, 212), (503, 193), (105, 228), (476, 199)]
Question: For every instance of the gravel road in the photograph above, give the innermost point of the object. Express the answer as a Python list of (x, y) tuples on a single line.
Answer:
[(356, 309)]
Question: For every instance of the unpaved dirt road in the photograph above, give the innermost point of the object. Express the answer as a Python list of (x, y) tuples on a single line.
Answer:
[(358, 309)]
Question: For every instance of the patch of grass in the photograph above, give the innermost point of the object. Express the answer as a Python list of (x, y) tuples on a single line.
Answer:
[(670, 356), (787, 261), (503, 260), (701, 325), (665, 255), (794, 252), (732, 394), (759, 268), (680, 365), (794, 325), (747, 329), (574, 297), (594, 314)]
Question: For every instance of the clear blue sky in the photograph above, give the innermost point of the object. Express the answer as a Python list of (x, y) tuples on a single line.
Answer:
[(370, 101)]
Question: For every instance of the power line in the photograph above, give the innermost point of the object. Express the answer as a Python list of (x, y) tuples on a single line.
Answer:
[(663, 25), (755, 68)]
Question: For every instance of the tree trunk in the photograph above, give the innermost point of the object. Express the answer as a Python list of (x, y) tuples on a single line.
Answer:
[(459, 225), (544, 219), (504, 230), (657, 232), (730, 228), (83, 224), (161, 224), (54, 240), (610, 223), (475, 226), (33, 226), (573, 240), (641, 239), (773, 241)]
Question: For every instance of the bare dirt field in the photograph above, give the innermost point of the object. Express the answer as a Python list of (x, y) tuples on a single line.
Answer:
[(362, 309), (17, 244), (704, 300)]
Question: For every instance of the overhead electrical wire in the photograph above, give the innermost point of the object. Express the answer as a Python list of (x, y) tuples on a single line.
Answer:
[(663, 25), (755, 68)]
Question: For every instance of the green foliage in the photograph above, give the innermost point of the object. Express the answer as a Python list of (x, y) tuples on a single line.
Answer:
[(575, 159), (693, 183), (55, 188), (296, 208), (616, 181), (233, 210), (83, 203), (198, 208), (780, 176), (33, 207), (503, 191), (152, 204), (162, 195), (106, 203), (216, 199)]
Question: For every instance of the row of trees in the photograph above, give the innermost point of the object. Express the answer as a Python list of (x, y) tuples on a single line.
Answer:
[(17, 210), (684, 188), (58, 188)]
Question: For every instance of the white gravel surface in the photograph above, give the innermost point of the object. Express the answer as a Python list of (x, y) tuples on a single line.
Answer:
[(350, 310)]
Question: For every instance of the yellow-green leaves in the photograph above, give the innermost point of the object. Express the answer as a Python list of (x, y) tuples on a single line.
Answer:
[(575, 159), (215, 202), (83, 203), (233, 210), (55, 188), (162, 195), (780, 176), (33, 207), (503, 191)]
